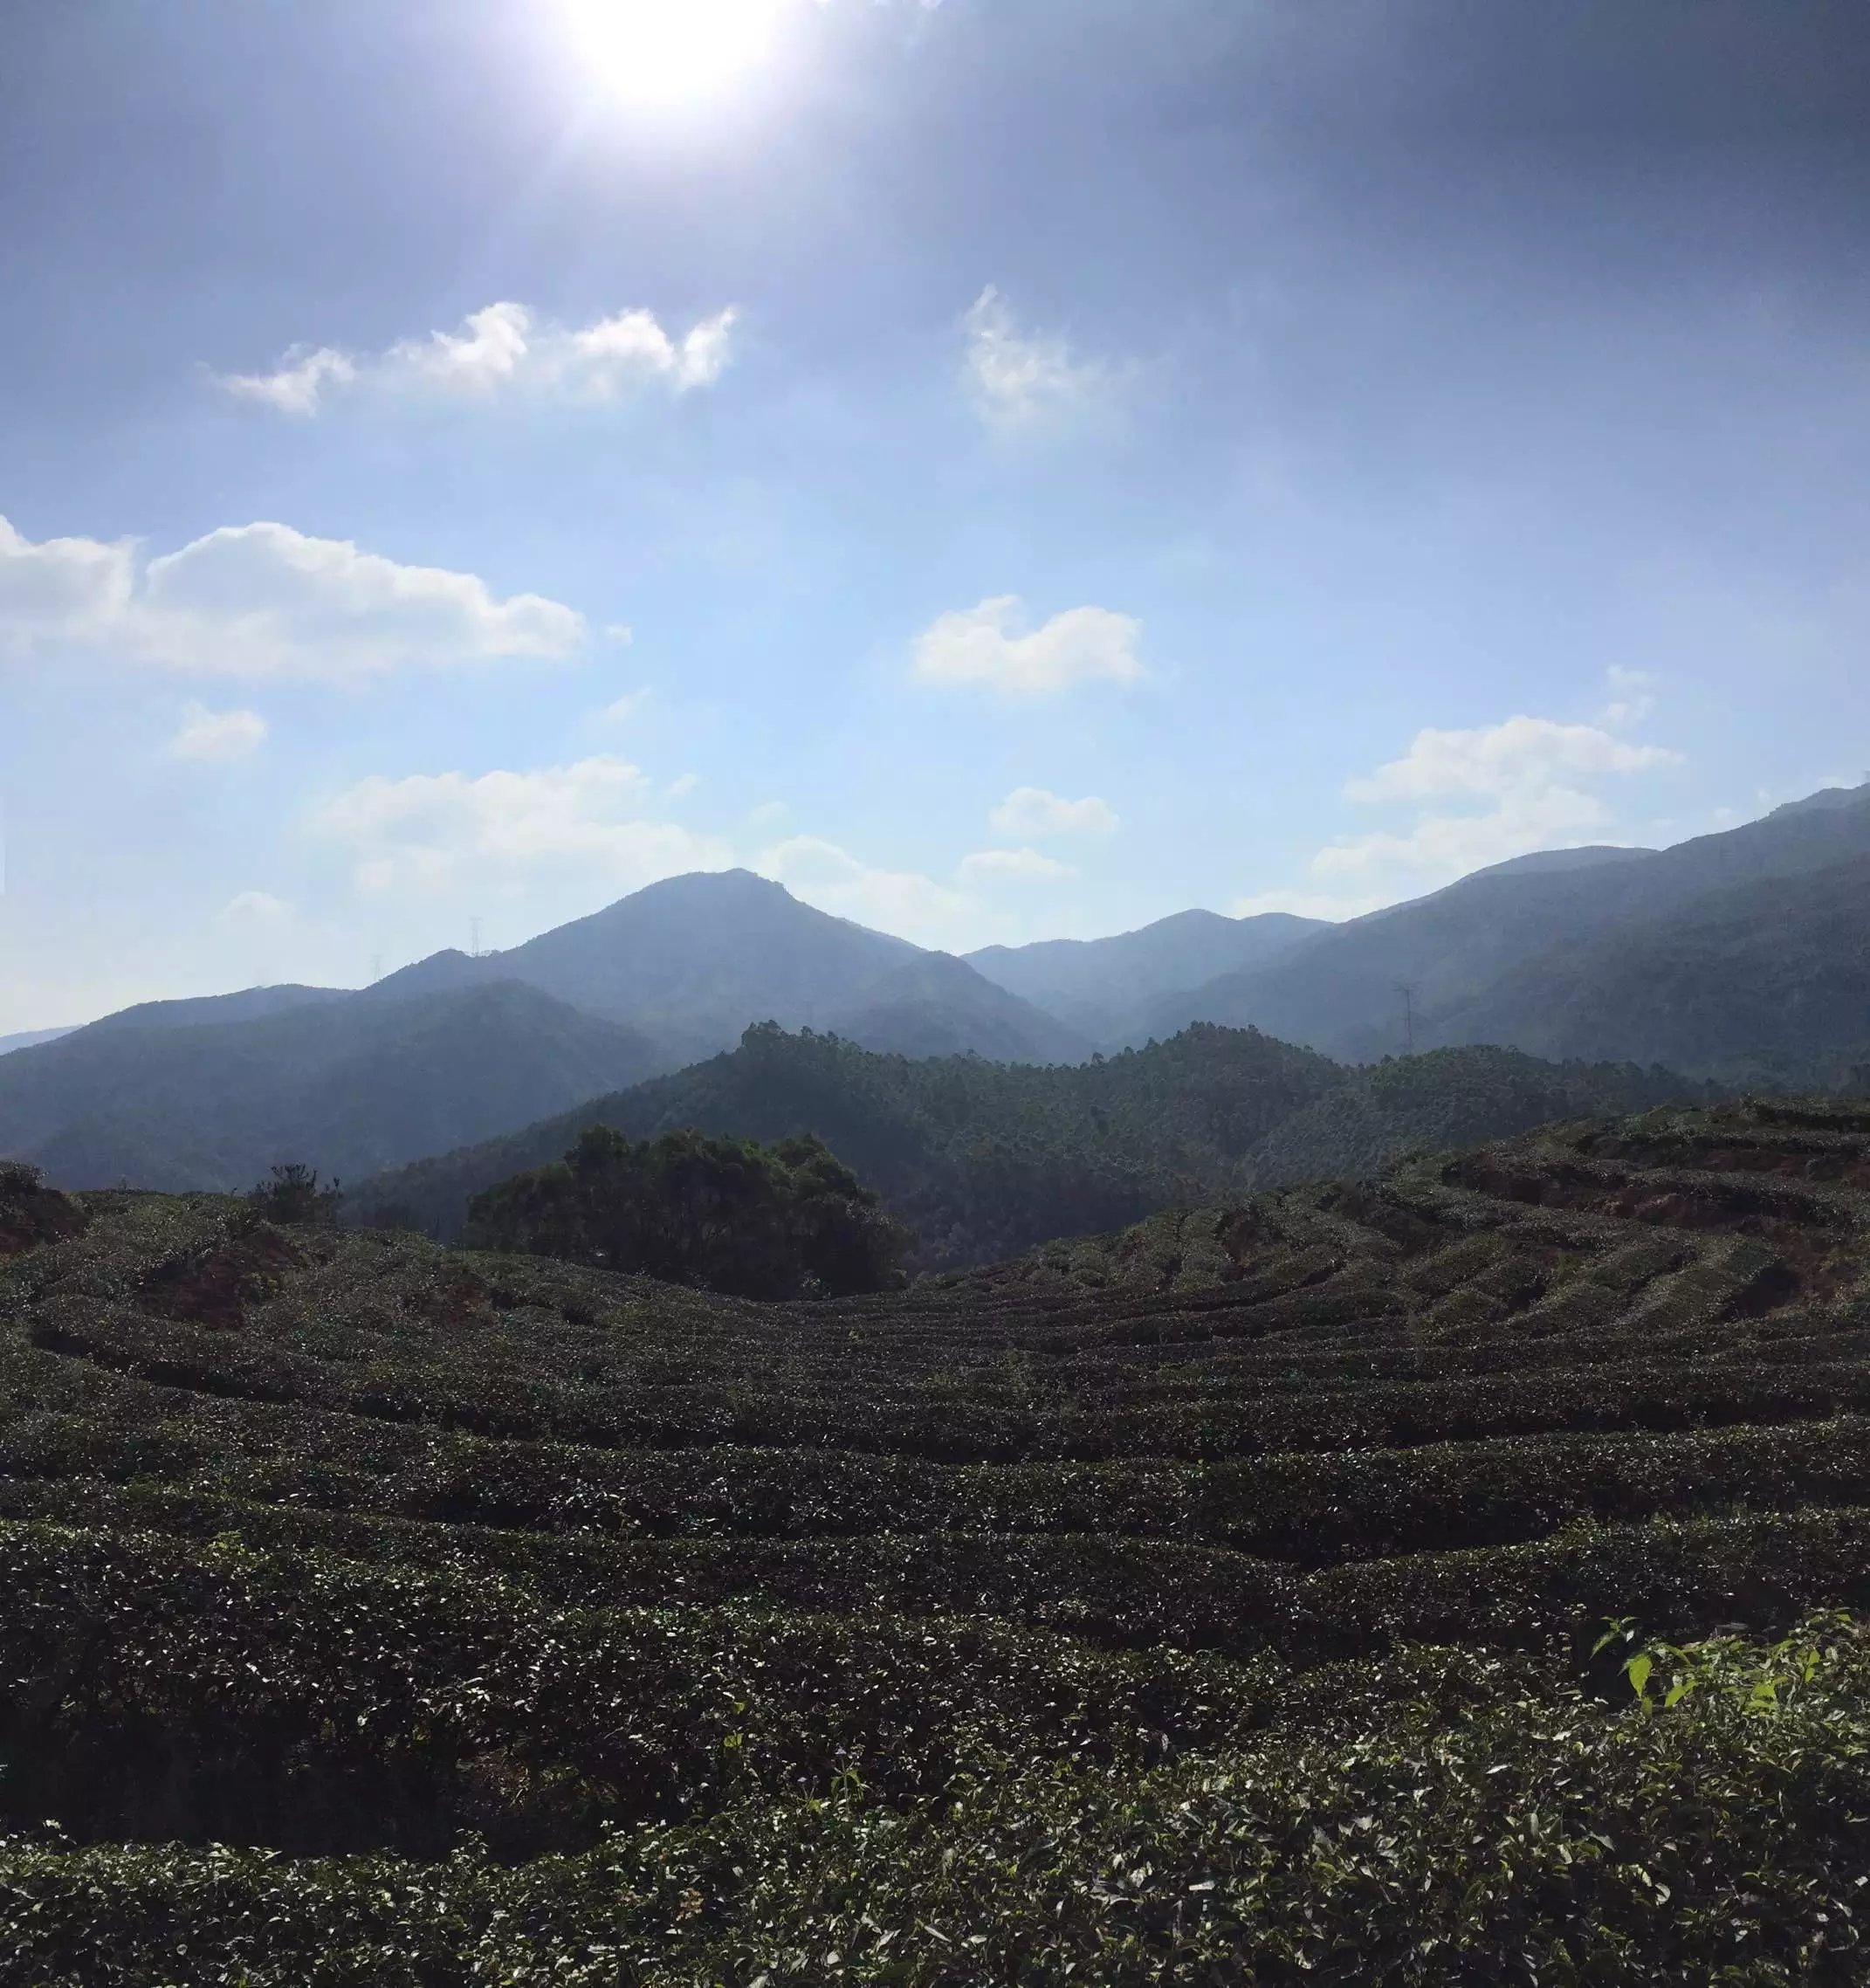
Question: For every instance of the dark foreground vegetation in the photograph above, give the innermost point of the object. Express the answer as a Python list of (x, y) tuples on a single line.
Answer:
[(786, 1220), (1227, 1601)]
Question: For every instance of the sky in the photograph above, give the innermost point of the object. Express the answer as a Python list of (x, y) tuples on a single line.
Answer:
[(1005, 469)]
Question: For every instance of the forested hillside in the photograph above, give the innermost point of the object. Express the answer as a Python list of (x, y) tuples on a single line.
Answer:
[(1763, 983), (349, 1083), (984, 1160), (1610, 954), (1445, 1097), (1424, 1582)]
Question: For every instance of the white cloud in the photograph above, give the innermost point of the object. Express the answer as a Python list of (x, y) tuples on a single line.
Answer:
[(217, 735), (60, 586), (301, 379), (1534, 778), (263, 600), (903, 902), (1019, 380), (620, 710), (505, 347), (769, 814), (1496, 761), (254, 908), (429, 829), (1011, 865), (982, 646), (1035, 811)]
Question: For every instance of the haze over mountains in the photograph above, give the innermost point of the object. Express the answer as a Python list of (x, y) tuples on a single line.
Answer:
[(1105, 986), (29, 1039), (1741, 957)]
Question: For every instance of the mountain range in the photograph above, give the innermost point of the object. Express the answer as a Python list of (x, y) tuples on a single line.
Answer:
[(1743, 956), (1740, 958)]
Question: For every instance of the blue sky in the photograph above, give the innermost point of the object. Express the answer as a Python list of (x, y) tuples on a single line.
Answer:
[(1005, 469)]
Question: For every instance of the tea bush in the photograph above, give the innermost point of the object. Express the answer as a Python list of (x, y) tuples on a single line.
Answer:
[(1223, 1601)]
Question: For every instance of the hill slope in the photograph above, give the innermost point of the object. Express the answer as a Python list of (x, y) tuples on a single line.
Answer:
[(1098, 984), (1766, 983), (1339, 993), (1206, 1603), (29, 1039), (979, 1158), (347, 1085), (982, 1159)]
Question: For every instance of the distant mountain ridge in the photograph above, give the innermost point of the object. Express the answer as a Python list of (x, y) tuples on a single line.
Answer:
[(340, 1085), (1470, 955), (692, 961), (1101, 984), (250, 1004), (208, 1092), (1741, 958)]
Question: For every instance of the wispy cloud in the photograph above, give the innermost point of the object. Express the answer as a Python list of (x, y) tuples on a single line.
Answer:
[(1012, 866), (254, 908), (220, 736), (1633, 697), (1019, 379), (905, 902), (505, 348)]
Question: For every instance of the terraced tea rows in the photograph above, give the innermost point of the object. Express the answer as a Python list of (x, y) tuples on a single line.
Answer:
[(1211, 1602)]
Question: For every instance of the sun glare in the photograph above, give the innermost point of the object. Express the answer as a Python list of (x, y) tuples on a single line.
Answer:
[(672, 51)]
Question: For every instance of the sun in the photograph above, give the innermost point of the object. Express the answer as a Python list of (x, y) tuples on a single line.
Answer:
[(671, 51)]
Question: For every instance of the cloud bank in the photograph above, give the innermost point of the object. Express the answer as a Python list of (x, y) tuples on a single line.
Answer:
[(263, 600), (428, 829)]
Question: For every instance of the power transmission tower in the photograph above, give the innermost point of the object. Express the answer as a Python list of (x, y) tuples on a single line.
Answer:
[(474, 943), (1408, 990), (376, 967)]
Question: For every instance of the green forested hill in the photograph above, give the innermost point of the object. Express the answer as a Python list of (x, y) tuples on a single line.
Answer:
[(980, 1159), (984, 1160), (1227, 1601)]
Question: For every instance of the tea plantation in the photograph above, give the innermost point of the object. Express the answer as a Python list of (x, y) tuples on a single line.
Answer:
[(1451, 1579)]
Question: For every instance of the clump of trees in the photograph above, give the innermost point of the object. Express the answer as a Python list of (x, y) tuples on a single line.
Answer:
[(774, 1222), (295, 1193)]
